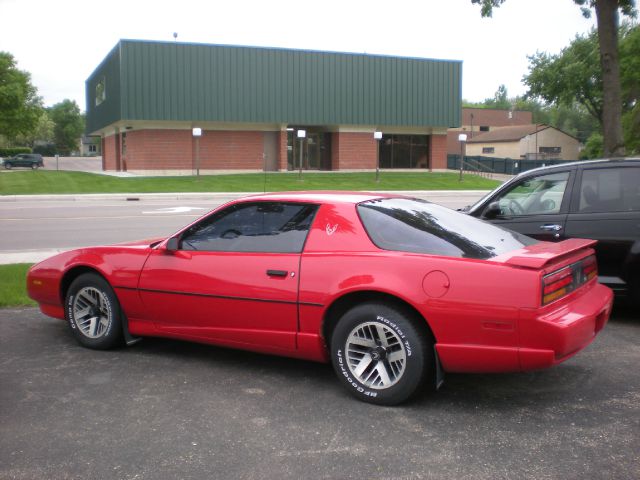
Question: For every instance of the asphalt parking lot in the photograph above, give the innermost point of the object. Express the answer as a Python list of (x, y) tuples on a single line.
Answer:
[(166, 410)]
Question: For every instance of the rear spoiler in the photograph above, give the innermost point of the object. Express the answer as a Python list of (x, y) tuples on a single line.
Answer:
[(543, 253)]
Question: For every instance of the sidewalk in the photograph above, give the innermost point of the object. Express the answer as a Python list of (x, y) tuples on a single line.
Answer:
[(426, 194)]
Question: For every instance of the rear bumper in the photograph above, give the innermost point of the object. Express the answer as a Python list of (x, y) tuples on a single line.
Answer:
[(556, 336), (546, 337)]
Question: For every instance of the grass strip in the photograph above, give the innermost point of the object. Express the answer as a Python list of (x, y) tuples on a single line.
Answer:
[(63, 182), (13, 287)]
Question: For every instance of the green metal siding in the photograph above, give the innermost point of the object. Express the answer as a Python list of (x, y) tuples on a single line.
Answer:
[(190, 82), (108, 111)]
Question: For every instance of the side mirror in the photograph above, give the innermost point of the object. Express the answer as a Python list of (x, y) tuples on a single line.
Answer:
[(172, 244), (493, 210)]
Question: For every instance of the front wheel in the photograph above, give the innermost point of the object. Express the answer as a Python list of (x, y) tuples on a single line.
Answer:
[(381, 353), (7, 166), (93, 312)]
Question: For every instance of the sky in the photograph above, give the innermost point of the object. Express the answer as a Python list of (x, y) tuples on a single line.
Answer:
[(60, 42)]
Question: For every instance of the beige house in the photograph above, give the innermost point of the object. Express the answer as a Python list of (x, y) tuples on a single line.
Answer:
[(533, 142), (476, 121)]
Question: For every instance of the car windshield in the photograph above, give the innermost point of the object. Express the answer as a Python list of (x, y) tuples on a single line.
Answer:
[(418, 226)]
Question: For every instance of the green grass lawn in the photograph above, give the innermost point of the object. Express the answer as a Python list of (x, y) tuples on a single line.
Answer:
[(13, 290), (58, 182)]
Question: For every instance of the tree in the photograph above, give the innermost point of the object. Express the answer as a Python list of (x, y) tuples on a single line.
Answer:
[(20, 105), (568, 77), (500, 99), (630, 82), (607, 20), (573, 80), (41, 133), (68, 125)]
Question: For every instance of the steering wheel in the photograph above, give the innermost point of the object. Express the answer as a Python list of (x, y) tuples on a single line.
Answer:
[(231, 233), (515, 208)]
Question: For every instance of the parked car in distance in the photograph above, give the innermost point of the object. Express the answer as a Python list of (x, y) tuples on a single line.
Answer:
[(597, 199), (393, 291), (29, 160)]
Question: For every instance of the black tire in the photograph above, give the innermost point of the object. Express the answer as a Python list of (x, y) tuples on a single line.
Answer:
[(93, 312), (7, 165), (381, 353), (34, 166)]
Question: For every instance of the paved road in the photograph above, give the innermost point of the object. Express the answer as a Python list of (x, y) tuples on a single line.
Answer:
[(165, 409), (50, 224)]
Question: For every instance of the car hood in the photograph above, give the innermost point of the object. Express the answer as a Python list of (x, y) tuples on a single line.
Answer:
[(141, 243)]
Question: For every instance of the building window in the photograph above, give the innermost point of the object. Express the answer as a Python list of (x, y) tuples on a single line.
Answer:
[(404, 151), (550, 150), (100, 92), (488, 150), (93, 148), (484, 128)]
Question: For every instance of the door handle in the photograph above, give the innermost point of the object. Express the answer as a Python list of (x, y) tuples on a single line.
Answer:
[(551, 227), (277, 273)]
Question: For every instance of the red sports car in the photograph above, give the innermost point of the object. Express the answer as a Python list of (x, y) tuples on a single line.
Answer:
[(392, 290)]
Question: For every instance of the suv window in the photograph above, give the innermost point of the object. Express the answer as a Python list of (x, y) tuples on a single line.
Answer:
[(273, 227), (535, 195), (610, 190), (411, 225)]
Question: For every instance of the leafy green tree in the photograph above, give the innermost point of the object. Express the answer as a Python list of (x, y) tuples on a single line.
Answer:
[(572, 80), (68, 125), (500, 99), (571, 76), (593, 147), (630, 79), (41, 133), (20, 105), (607, 19)]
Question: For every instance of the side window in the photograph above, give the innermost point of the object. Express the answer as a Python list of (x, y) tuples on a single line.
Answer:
[(272, 227), (535, 195), (610, 190)]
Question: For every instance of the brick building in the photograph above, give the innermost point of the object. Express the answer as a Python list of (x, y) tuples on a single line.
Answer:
[(476, 121), (147, 99)]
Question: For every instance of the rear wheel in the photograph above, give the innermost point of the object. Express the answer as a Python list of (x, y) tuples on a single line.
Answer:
[(381, 353), (34, 166), (93, 312)]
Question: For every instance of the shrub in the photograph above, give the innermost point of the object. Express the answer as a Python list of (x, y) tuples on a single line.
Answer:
[(11, 151), (48, 150)]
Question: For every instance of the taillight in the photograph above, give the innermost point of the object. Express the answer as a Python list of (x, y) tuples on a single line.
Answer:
[(590, 267), (564, 281)]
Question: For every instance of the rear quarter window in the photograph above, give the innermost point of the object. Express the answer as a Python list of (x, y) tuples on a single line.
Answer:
[(610, 190), (418, 226)]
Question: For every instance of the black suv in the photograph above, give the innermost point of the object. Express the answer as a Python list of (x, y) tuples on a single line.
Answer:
[(595, 199), (31, 160)]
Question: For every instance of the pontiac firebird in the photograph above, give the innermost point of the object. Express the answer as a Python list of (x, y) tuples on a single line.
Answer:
[(393, 291)]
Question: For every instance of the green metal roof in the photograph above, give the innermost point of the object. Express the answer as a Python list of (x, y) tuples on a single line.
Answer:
[(195, 82)]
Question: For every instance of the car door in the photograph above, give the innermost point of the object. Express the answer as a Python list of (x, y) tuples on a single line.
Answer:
[(233, 277), (606, 207), (536, 205)]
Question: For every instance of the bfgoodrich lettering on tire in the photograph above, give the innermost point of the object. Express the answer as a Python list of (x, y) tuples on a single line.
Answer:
[(381, 353), (93, 312)]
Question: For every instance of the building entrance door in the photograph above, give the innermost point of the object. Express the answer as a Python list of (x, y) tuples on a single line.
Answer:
[(316, 151)]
